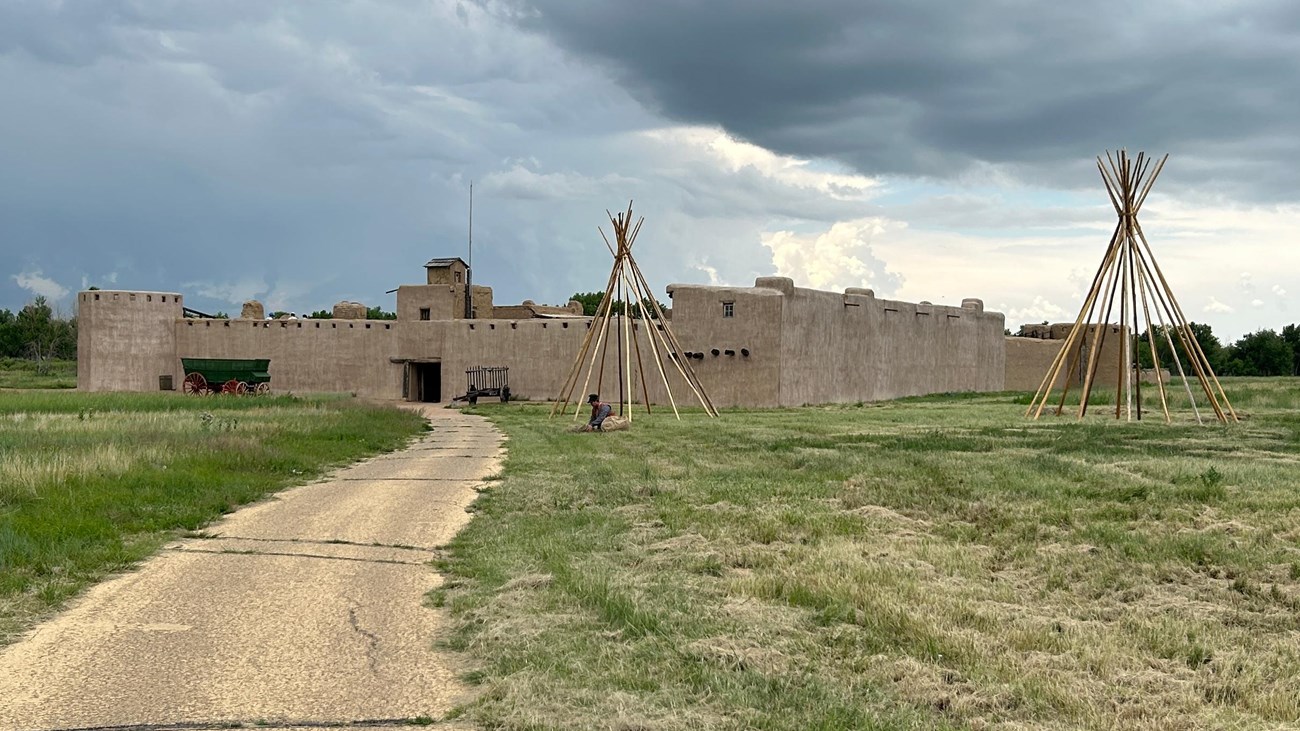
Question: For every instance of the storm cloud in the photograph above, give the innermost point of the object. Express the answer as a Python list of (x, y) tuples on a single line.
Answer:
[(934, 88)]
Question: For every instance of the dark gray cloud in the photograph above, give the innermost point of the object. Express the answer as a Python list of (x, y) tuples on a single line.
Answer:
[(928, 88)]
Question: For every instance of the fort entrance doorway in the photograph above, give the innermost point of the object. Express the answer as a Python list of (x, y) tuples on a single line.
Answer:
[(424, 382)]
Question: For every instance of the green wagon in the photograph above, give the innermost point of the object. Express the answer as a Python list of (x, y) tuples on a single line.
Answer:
[(226, 375)]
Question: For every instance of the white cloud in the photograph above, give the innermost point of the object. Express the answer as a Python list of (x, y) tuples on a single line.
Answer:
[(1257, 303), (838, 258), (714, 279), (1037, 311), (39, 284), (1278, 290), (737, 156), (1214, 305)]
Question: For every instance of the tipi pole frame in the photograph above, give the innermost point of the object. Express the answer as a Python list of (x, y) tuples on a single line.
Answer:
[(1130, 271), (626, 281)]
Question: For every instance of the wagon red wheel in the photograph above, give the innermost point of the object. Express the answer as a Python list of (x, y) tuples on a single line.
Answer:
[(262, 389), (194, 384), (231, 386)]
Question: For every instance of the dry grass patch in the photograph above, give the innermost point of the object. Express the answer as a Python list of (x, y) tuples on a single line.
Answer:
[(927, 563)]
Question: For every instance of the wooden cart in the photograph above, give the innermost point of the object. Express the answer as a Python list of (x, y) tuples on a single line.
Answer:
[(486, 381), (204, 376)]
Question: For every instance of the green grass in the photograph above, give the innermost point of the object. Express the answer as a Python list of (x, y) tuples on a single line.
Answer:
[(927, 563), (23, 373), (91, 484)]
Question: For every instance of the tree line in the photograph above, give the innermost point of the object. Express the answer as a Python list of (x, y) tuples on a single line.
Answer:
[(591, 305), (38, 333), (1261, 353)]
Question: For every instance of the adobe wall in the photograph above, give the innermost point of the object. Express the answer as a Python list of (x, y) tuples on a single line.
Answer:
[(445, 301), (1027, 362), (746, 369), (854, 347), (1028, 358), (539, 354), (306, 355), (125, 339)]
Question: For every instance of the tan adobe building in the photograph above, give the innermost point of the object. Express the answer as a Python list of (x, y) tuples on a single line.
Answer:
[(772, 344)]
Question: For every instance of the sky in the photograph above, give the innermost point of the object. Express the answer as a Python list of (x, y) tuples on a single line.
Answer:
[(306, 153)]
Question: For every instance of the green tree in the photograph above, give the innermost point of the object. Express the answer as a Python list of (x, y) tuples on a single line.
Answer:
[(590, 301), (1291, 334), (1261, 353), (11, 345), (43, 337), (376, 313), (591, 305), (1204, 335), (321, 315)]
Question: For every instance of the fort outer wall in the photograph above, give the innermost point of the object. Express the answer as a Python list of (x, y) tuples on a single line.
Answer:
[(125, 339), (781, 346), (808, 346)]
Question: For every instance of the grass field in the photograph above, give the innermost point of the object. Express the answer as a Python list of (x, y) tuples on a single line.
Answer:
[(92, 483), (926, 563), (22, 373)]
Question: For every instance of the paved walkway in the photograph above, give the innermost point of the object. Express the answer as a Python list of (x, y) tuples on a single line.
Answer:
[(304, 609)]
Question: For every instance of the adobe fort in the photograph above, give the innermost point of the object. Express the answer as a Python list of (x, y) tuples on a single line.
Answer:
[(772, 344)]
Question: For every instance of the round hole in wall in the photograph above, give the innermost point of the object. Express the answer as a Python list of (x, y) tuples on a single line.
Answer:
[(714, 352), (744, 352)]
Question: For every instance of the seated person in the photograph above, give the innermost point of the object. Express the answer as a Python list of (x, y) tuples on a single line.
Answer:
[(599, 412)]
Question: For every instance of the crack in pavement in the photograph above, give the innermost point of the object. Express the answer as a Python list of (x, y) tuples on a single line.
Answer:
[(316, 541), (228, 552), (371, 638)]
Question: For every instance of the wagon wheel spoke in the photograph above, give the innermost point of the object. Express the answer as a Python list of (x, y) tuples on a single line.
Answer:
[(231, 386), (194, 384), (262, 389)]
